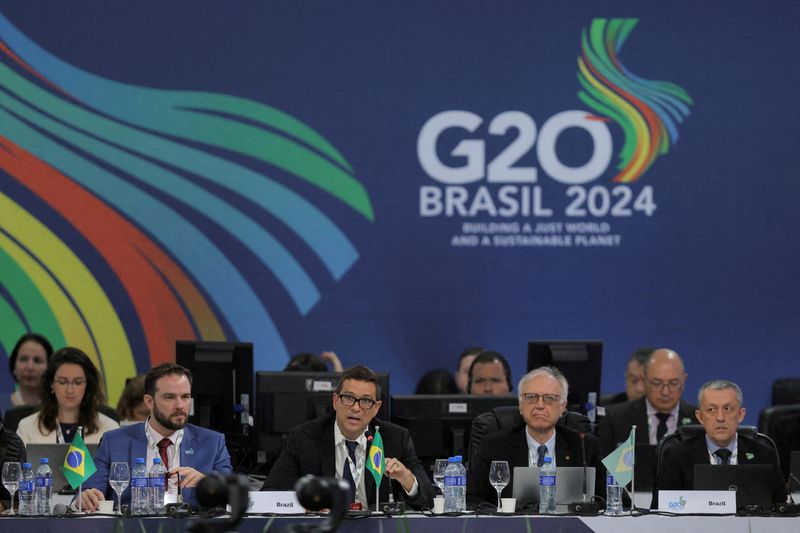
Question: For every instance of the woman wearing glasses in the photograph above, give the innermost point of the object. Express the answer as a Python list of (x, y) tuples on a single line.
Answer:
[(71, 395)]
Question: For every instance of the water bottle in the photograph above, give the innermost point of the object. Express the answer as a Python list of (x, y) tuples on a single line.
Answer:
[(44, 487), (452, 477), (613, 497), (156, 486), (27, 491), (547, 487), (461, 502), (139, 482)]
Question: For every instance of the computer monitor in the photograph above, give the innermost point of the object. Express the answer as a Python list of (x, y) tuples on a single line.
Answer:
[(579, 361), (287, 399), (222, 383), (440, 424)]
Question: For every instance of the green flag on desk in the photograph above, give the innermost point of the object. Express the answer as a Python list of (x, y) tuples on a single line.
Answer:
[(619, 463)]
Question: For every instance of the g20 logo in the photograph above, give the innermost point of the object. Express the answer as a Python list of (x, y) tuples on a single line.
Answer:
[(501, 168)]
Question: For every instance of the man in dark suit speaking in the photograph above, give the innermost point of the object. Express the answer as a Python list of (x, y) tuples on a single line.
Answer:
[(542, 401), (720, 412), (658, 413), (337, 444)]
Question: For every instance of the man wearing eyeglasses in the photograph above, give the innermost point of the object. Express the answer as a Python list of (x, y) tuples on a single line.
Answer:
[(657, 414), (542, 401), (337, 445), (721, 411)]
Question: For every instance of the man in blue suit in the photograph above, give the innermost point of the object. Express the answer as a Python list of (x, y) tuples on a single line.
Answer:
[(189, 452)]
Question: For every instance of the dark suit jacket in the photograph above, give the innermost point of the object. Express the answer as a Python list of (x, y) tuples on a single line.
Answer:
[(309, 449), (201, 448), (616, 425), (511, 445), (678, 465)]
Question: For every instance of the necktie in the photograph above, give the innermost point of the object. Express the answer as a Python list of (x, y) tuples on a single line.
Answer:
[(347, 473), (725, 456), (661, 430), (163, 444), (541, 451)]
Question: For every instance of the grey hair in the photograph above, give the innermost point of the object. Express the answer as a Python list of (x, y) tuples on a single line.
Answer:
[(546, 371), (721, 384)]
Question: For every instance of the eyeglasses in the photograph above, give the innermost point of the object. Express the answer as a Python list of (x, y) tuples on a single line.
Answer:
[(64, 382), (349, 401), (727, 410), (548, 399), (673, 384)]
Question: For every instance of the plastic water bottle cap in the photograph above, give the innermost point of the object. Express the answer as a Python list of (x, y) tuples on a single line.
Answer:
[(44, 460), (156, 460), (548, 459), (26, 465), (459, 458), (140, 460), (452, 460)]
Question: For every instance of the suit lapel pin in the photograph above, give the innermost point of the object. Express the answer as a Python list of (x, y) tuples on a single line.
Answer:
[(685, 421), (189, 451), (749, 456)]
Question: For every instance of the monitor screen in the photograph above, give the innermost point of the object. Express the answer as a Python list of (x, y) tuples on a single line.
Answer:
[(222, 383), (287, 399), (579, 361), (440, 424)]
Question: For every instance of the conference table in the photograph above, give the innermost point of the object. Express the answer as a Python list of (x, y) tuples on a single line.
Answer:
[(414, 523)]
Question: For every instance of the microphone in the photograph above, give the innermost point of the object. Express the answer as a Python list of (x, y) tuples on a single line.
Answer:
[(583, 507), (583, 459), (59, 509)]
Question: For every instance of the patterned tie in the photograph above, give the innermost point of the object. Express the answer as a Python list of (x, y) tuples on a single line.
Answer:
[(347, 474), (661, 430), (725, 456), (163, 444), (541, 451)]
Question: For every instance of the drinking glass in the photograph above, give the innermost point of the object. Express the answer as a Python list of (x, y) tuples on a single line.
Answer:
[(499, 476), (119, 477), (438, 473), (12, 474)]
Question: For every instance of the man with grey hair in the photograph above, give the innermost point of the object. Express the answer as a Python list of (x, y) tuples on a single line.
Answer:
[(542, 401), (721, 411)]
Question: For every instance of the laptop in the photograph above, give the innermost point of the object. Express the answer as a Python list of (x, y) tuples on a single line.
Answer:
[(752, 483), (645, 467), (569, 485), (55, 454)]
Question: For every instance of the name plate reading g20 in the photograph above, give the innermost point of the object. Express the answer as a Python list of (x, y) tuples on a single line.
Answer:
[(697, 501), (457, 407), (274, 501)]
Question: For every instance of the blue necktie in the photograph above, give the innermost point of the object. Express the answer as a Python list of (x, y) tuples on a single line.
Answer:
[(541, 451), (347, 473)]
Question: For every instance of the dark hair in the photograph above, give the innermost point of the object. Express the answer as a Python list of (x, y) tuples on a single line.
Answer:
[(359, 373), (306, 362), (472, 350), (437, 382), (159, 372), (132, 396), (35, 337), (641, 355), (93, 396), (489, 357)]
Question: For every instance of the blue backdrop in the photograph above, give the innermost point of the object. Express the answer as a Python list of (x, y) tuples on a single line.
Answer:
[(430, 123)]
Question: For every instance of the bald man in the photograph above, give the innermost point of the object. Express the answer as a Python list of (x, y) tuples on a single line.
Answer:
[(658, 413)]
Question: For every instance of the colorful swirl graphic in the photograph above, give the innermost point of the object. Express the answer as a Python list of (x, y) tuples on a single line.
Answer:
[(647, 111), (126, 212)]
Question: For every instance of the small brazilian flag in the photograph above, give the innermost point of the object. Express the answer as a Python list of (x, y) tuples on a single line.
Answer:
[(78, 465), (376, 463), (620, 462)]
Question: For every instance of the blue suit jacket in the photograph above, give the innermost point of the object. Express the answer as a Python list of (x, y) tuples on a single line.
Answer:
[(201, 448)]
